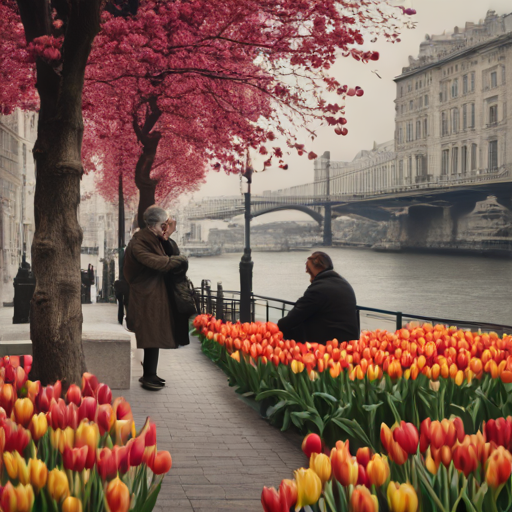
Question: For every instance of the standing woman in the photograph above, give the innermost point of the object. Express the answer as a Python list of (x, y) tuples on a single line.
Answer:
[(150, 314)]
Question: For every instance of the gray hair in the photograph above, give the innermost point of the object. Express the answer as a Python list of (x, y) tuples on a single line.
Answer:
[(155, 215)]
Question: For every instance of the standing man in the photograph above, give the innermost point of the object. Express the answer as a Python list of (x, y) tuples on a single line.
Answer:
[(149, 310), (327, 310)]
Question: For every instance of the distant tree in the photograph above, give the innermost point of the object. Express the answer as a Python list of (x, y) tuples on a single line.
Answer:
[(266, 49)]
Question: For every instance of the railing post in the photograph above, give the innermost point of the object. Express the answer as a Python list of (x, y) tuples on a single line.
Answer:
[(398, 320), (220, 302), (208, 297)]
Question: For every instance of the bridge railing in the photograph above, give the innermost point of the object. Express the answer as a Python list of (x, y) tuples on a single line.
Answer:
[(225, 305)]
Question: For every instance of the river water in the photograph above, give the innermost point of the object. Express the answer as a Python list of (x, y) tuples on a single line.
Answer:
[(446, 286)]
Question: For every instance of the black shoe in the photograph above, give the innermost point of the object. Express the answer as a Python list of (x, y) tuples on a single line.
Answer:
[(157, 378), (151, 383)]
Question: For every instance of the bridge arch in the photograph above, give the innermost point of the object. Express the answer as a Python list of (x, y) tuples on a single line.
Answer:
[(318, 217)]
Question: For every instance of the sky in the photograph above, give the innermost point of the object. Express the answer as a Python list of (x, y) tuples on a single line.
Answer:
[(370, 117)]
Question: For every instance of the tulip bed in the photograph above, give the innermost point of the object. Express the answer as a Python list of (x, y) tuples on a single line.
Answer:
[(438, 469), (80, 453), (346, 390)]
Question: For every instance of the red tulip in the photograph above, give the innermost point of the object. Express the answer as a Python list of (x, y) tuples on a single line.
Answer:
[(74, 458), (499, 467), (72, 416), (122, 409), (74, 395), (465, 457), (104, 394), (288, 493), (270, 500), (105, 418), (406, 435), (106, 464), (363, 456), (122, 454), (87, 409), (57, 415), (137, 445), (311, 444), (89, 384), (499, 431)]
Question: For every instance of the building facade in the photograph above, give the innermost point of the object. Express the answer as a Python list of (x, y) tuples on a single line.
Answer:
[(451, 105), (452, 124), (18, 133)]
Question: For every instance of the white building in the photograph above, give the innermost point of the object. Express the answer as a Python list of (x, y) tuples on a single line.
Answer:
[(18, 133)]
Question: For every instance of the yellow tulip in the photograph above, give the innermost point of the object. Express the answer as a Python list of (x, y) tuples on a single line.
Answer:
[(297, 366), (72, 504), (124, 430), (38, 426), (24, 498), (58, 484), (62, 438), (23, 411), (321, 465), (430, 463), (378, 470), (309, 487), (402, 498), (23, 475), (38, 473), (11, 464)]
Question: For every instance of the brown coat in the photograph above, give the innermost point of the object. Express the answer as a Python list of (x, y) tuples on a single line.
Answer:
[(149, 312)]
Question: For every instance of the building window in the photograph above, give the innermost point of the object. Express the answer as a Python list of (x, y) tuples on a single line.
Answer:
[(464, 116), (426, 100), (493, 114), (444, 124), (474, 165), (400, 136), (409, 87), (463, 159), (455, 160), (418, 130), (409, 167), (472, 82), (401, 91), (494, 79), (410, 105), (420, 102), (503, 75), (493, 155), (409, 132), (465, 84), (425, 128), (455, 120), (455, 88), (401, 109), (472, 118), (401, 171), (445, 162)]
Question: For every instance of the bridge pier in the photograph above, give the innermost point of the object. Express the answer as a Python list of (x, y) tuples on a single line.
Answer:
[(327, 226)]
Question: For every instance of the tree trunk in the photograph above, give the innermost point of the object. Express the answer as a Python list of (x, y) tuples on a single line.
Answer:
[(149, 140), (56, 314)]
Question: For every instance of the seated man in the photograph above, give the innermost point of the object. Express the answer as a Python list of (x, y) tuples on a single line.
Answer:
[(328, 308)]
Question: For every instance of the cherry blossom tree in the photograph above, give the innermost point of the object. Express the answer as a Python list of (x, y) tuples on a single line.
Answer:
[(220, 77), (201, 80)]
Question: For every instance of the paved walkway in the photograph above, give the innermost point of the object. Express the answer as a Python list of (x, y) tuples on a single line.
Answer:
[(223, 452)]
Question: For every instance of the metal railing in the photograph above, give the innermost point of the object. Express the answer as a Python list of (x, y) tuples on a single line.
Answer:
[(225, 305)]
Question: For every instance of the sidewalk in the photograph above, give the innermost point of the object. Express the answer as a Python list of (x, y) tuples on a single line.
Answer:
[(223, 452)]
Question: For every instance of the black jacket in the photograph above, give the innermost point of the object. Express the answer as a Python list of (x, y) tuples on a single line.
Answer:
[(326, 311)]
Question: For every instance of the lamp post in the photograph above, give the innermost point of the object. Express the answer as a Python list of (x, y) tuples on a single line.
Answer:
[(246, 263), (327, 209)]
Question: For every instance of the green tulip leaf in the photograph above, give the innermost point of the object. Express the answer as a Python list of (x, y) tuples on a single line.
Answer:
[(150, 502), (329, 496)]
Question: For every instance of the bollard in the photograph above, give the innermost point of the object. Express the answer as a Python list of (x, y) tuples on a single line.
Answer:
[(24, 286), (208, 297), (219, 314)]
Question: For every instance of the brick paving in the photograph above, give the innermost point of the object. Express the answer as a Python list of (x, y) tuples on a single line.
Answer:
[(223, 452)]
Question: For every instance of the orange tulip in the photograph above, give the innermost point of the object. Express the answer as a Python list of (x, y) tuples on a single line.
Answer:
[(378, 470), (270, 500), (72, 504), (499, 467), (117, 496), (24, 498), (162, 462), (362, 500), (363, 456), (8, 500)]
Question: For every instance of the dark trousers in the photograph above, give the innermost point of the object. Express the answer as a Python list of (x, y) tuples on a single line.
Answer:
[(150, 361)]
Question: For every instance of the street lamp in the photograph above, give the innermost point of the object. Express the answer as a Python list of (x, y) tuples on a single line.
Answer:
[(246, 263)]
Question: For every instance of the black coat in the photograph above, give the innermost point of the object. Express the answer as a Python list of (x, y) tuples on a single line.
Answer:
[(326, 311)]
